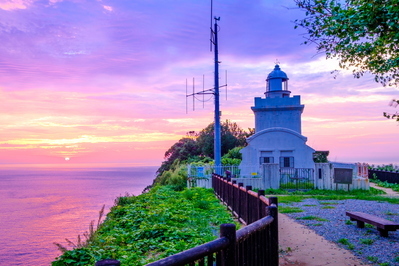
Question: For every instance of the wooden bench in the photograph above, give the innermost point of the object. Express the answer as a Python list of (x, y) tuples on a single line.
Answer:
[(383, 225)]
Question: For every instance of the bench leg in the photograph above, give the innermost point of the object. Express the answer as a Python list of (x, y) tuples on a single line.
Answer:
[(360, 224), (383, 232)]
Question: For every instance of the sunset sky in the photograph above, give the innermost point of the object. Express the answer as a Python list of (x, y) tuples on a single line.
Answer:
[(105, 81)]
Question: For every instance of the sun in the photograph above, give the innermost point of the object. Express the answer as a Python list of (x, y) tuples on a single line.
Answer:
[(67, 158)]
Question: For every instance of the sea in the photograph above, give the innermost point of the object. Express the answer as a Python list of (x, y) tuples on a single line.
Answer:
[(45, 204)]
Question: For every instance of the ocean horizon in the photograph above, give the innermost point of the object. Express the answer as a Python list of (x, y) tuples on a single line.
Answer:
[(47, 203)]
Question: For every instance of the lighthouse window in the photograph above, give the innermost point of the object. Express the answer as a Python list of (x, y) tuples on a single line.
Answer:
[(285, 84), (266, 160), (287, 162)]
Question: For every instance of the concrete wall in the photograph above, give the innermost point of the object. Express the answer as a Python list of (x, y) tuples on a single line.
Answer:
[(256, 183), (278, 112), (269, 177), (277, 142), (324, 177)]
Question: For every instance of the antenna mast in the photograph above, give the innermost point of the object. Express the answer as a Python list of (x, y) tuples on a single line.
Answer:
[(215, 92)]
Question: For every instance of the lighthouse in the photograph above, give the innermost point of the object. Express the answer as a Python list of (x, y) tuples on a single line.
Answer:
[(278, 135)]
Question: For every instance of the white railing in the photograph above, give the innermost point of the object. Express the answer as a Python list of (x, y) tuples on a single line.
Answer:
[(270, 176), (235, 171), (201, 175)]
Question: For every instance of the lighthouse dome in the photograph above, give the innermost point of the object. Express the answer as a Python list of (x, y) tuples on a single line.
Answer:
[(277, 84), (277, 73)]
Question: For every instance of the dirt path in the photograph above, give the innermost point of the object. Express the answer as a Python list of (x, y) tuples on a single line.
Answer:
[(390, 192), (302, 246)]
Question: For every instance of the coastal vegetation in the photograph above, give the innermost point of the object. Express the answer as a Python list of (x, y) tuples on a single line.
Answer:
[(197, 148), (141, 229)]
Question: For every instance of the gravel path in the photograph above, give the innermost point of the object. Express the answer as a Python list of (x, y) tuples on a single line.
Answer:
[(335, 226)]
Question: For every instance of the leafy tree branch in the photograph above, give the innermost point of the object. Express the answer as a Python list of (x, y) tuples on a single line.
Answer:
[(362, 34)]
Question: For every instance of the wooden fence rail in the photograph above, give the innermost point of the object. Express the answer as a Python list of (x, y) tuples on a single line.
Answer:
[(254, 245)]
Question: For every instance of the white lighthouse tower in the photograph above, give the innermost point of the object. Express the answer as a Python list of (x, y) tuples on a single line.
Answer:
[(278, 135)]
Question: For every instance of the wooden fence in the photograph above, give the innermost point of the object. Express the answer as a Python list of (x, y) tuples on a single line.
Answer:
[(254, 245), (390, 177), (247, 205)]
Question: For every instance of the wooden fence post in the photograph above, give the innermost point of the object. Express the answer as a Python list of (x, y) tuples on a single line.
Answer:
[(261, 192), (228, 255), (248, 207), (273, 200), (272, 210), (240, 201)]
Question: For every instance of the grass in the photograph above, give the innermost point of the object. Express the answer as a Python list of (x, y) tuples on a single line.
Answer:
[(318, 224), (328, 207), (323, 195), (290, 198), (348, 222), (367, 241), (311, 217), (346, 242), (368, 232), (288, 209), (343, 241), (372, 259)]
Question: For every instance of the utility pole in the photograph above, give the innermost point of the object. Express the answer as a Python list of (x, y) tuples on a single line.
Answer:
[(217, 133)]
